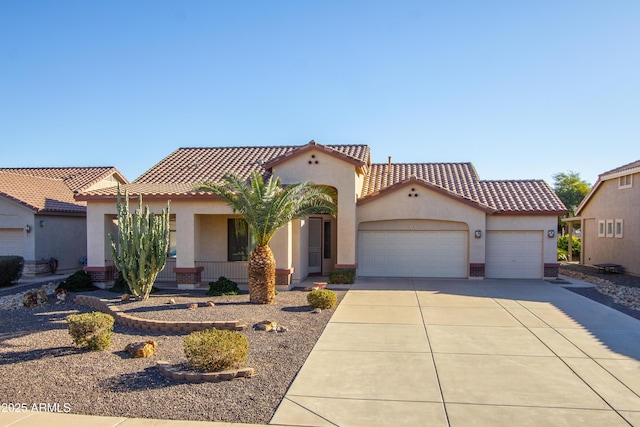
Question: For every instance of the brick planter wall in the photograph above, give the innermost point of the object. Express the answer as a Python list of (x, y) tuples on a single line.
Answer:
[(551, 270), (153, 325), (476, 270)]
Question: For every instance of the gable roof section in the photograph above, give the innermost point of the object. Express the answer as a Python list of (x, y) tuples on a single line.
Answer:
[(521, 197), (358, 155), (51, 189), (175, 175), (628, 169), (460, 181)]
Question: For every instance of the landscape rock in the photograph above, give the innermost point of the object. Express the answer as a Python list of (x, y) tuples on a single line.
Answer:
[(141, 349), (211, 304), (125, 297), (266, 325), (192, 306)]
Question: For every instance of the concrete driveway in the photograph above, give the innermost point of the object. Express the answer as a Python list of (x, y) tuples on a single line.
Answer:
[(469, 353)]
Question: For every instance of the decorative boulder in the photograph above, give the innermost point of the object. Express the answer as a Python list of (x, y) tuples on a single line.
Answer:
[(266, 325), (141, 349), (211, 304), (125, 297), (192, 306)]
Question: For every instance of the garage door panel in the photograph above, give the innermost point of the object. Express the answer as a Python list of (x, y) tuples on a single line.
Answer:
[(413, 253), (514, 255), (11, 241)]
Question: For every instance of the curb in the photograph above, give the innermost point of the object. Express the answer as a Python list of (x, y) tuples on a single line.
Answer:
[(154, 325)]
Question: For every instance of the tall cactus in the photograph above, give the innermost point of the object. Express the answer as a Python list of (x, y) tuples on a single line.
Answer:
[(143, 242)]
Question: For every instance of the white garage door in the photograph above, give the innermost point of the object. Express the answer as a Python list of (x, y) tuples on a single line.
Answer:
[(413, 253), (11, 241), (514, 255)]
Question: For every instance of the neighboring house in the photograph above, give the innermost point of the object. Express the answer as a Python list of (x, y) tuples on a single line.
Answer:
[(609, 217), (394, 220), (40, 219)]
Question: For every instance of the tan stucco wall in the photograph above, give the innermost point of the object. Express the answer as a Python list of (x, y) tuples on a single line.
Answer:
[(99, 224), (335, 173), (14, 216), (443, 212), (63, 238), (529, 223), (211, 238), (611, 203)]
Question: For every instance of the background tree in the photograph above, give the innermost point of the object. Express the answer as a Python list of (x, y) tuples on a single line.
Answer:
[(143, 244), (571, 189), (266, 207)]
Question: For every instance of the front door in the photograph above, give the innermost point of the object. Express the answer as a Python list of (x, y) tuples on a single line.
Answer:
[(315, 245)]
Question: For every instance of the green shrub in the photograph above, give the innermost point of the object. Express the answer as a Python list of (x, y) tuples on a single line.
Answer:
[(342, 277), (80, 281), (322, 298), (91, 331), (576, 247), (216, 350), (120, 285), (223, 286), (10, 269)]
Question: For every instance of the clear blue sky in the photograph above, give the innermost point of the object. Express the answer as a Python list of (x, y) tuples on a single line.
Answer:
[(522, 89)]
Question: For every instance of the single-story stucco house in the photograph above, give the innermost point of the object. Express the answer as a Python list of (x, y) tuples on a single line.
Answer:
[(40, 219), (394, 220), (609, 219)]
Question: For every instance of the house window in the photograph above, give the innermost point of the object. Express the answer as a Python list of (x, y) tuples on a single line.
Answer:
[(625, 181), (609, 228), (173, 251), (327, 240), (240, 242), (618, 228), (601, 228)]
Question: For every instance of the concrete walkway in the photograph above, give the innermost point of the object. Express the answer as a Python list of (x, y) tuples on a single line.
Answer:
[(462, 353)]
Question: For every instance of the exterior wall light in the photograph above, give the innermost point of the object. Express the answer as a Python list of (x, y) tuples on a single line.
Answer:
[(42, 223), (478, 234), (27, 229), (551, 234)]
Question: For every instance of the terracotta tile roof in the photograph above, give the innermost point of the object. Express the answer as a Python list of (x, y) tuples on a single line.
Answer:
[(211, 163), (461, 181), (525, 196), (75, 178), (51, 189), (459, 178)]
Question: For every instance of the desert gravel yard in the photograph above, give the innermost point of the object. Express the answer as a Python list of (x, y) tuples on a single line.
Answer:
[(39, 364)]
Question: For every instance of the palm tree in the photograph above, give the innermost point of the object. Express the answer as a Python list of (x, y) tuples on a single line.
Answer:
[(266, 207)]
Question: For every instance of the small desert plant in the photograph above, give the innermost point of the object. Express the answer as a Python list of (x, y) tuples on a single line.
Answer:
[(91, 331), (10, 269), (342, 277), (322, 298), (223, 286), (215, 350), (80, 281)]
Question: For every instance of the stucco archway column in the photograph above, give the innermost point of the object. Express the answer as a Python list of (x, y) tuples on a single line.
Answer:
[(99, 225), (282, 248), (188, 275), (347, 231)]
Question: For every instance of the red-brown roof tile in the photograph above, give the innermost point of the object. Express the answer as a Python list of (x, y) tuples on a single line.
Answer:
[(51, 189), (523, 196), (194, 165), (461, 179)]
